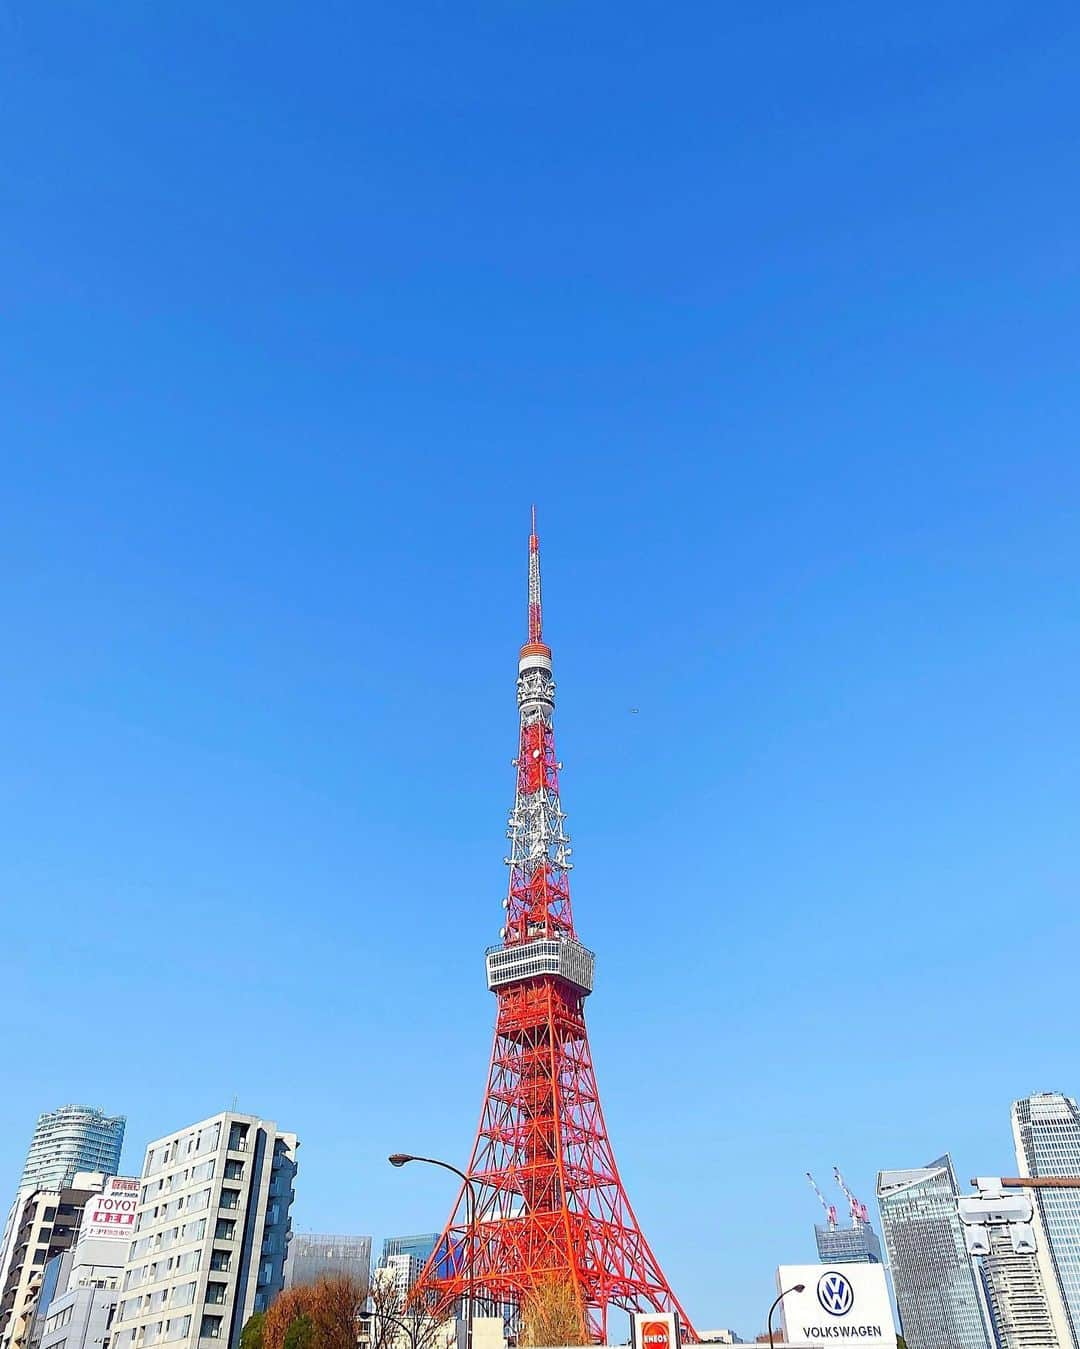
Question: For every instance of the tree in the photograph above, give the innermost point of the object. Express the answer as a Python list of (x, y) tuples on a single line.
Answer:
[(552, 1313), (403, 1322), (251, 1337), (321, 1315), (301, 1334)]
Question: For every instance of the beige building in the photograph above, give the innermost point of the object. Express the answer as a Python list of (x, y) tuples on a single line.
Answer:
[(43, 1223)]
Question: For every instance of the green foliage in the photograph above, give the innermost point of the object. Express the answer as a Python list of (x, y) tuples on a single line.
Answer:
[(300, 1334), (251, 1337)]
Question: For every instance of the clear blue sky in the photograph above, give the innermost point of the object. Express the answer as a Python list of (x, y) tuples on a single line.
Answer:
[(773, 309)]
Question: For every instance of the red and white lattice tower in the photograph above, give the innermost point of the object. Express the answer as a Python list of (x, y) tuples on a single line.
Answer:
[(549, 1199)]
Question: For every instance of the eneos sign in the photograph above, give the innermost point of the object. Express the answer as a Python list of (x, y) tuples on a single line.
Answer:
[(655, 1330)]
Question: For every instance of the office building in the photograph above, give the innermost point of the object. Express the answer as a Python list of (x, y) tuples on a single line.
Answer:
[(313, 1256), (399, 1272), (73, 1138), (1016, 1296), (939, 1296), (80, 1289), (848, 1245), (211, 1233), (1046, 1131), (45, 1225), (420, 1246)]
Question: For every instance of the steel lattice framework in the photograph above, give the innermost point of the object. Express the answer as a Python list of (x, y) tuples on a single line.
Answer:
[(549, 1200)]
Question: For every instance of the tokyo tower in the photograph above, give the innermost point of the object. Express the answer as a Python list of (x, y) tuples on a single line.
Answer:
[(549, 1200)]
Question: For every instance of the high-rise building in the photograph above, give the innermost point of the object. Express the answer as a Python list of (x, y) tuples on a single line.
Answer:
[(44, 1224), (1016, 1296), (848, 1245), (939, 1297), (1046, 1131), (421, 1245), (73, 1138), (315, 1256), (211, 1234), (399, 1272)]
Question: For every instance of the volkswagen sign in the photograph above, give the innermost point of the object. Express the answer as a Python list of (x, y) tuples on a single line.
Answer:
[(837, 1302), (835, 1293)]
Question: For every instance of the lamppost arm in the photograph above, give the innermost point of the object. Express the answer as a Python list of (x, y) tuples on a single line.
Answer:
[(399, 1159), (795, 1288)]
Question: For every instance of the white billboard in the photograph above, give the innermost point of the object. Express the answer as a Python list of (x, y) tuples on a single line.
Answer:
[(110, 1215), (838, 1302)]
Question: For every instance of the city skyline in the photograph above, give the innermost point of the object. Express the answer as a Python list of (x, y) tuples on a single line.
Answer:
[(771, 311)]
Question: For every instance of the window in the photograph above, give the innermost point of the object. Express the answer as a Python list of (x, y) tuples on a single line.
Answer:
[(210, 1328), (49, 1214), (40, 1255), (226, 1229), (230, 1199), (221, 1261), (215, 1293)]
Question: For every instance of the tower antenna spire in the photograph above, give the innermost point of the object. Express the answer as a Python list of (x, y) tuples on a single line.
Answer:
[(536, 624)]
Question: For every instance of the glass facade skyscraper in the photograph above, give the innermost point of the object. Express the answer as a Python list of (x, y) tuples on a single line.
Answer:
[(73, 1138), (848, 1245), (939, 1297), (419, 1246), (1046, 1130)]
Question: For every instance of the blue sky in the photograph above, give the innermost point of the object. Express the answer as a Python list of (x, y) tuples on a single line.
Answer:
[(773, 310)]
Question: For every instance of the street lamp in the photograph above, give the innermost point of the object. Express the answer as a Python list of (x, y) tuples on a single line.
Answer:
[(795, 1288), (399, 1159)]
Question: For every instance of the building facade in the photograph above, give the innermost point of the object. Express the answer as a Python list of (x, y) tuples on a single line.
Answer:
[(848, 1245), (399, 1272), (1046, 1131), (73, 1138), (938, 1294), (211, 1234), (314, 1256), (79, 1318), (420, 1245), (45, 1225), (1016, 1296)]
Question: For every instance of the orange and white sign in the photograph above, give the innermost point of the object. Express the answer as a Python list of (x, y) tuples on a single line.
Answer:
[(655, 1330)]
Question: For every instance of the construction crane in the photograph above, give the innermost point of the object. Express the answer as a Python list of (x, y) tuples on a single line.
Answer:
[(860, 1214), (830, 1209)]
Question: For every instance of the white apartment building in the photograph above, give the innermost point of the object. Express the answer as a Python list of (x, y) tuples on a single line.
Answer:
[(212, 1230), (400, 1272), (1016, 1296)]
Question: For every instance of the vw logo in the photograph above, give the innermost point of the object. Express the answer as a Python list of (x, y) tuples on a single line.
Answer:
[(835, 1294)]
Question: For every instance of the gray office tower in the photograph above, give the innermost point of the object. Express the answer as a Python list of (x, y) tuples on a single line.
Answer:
[(939, 1297), (1046, 1130), (848, 1245), (314, 1256), (73, 1138)]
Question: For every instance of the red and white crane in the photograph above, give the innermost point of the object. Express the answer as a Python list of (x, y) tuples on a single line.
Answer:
[(830, 1209), (860, 1214)]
